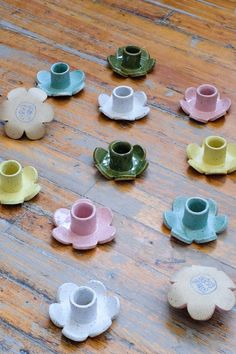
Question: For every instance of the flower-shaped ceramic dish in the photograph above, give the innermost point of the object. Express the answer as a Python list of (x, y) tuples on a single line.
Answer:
[(131, 61), (194, 220), (25, 112), (215, 156), (204, 104), (17, 184), (60, 81), (122, 161), (84, 226), (201, 290), (124, 104), (83, 311)]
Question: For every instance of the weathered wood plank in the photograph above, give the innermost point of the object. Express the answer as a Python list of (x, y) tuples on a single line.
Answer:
[(194, 42)]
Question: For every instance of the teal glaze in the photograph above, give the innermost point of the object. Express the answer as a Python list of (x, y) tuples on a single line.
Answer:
[(60, 81), (60, 75), (196, 213), (194, 220), (122, 161)]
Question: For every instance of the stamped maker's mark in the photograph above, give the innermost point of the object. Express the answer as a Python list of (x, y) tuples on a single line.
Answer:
[(25, 112), (203, 284)]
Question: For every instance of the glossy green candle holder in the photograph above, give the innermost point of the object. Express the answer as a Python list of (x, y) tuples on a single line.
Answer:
[(122, 161), (131, 61)]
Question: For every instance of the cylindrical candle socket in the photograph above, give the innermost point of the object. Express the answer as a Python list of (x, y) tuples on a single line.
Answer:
[(214, 150), (60, 75), (83, 302), (131, 57), (206, 98), (83, 218), (196, 213), (11, 176), (121, 154), (122, 99)]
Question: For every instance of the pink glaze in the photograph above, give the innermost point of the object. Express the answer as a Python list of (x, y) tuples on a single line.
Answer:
[(84, 226), (204, 103)]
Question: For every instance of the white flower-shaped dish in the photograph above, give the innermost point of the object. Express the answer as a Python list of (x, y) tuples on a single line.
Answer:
[(25, 112), (124, 106), (83, 311), (201, 290)]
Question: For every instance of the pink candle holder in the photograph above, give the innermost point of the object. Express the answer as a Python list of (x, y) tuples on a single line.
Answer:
[(84, 226), (204, 103)]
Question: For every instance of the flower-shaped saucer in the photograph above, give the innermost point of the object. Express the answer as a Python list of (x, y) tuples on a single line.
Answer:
[(201, 290), (83, 311), (25, 112), (17, 184), (215, 156), (131, 61), (121, 162), (195, 220), (204, 104), (60, 81), (124, 104), (84, 226)]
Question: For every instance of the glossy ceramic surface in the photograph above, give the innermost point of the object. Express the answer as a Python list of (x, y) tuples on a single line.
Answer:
[(204, 104), (17, 184), (122, 161), (215, 156), (84, 226), (131, 61), (83, 311), (25, 111), (201, 290), (124, 104), (60, 81), (195, 220)]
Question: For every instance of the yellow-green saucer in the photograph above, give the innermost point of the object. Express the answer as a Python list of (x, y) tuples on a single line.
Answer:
[(215, 156), (17, 184)]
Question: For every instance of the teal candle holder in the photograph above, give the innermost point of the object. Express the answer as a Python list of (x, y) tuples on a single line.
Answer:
[(195, 220), (61, 81)]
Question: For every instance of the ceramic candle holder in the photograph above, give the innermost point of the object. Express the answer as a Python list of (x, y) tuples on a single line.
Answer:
[(25, 112), (17, 184), (122, 161), (124, 104), (60, 81), (201, 290), (131, 61), (84, 226), (215, 156), (194, 220), (204, 103), (83, 311)]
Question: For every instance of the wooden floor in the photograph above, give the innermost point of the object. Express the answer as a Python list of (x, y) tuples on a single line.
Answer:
[(194, 42)]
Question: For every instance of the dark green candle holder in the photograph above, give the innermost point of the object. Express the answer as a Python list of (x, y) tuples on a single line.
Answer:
[(121, 161), (131, 61)]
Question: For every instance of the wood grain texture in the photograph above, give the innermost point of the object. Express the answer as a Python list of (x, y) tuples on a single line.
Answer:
[(194, 42)]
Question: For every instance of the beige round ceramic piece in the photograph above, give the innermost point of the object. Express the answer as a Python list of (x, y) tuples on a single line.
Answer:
[(25, 112), (201, 290)]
